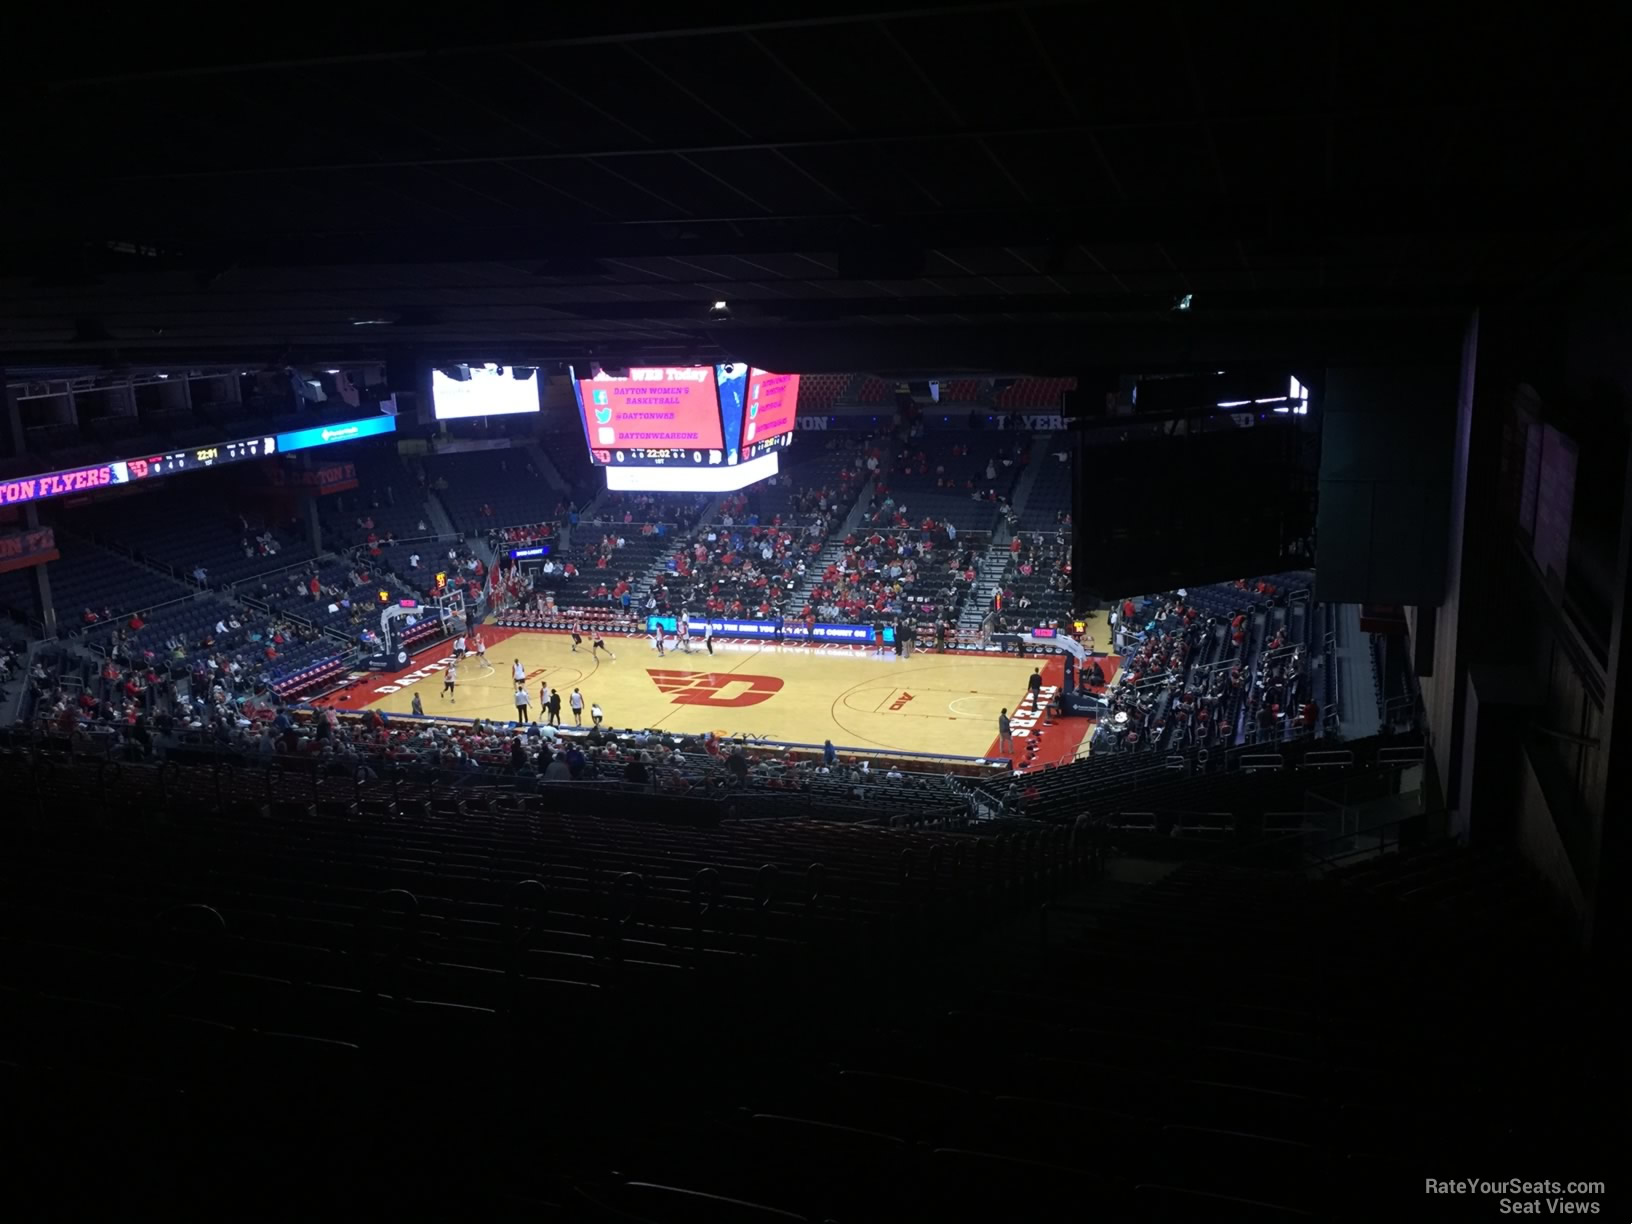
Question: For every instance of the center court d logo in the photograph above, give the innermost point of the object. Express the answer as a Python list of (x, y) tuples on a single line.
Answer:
[(719, 689)]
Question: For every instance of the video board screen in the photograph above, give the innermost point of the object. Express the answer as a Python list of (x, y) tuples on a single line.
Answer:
[(651, 426), (653, 414), (768, 412), (483, 390)]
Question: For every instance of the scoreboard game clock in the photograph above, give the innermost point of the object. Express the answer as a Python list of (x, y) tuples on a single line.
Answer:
[(237, 451)]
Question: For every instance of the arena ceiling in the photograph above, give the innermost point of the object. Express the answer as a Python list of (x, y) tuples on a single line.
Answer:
[(1010, 186)]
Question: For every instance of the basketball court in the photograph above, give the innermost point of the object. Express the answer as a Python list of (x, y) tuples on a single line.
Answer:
[(945, 704)]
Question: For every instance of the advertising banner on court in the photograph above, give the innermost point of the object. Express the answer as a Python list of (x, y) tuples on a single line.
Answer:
[(790, 630), (21, 549)]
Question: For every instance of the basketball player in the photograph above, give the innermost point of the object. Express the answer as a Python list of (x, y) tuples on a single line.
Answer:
[(481, 652), (577, 636), (577, 701), (449, 679), (595, 715), (682, 632), (459, 647), (708, 635), (518, 673), (657, 637), (543, 698), (597, 642)]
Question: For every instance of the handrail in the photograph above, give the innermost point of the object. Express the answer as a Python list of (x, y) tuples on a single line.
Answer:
[(1266, 849), (1397, 824), (1412, 754), (115, 622), (311, 562), (600, 522)]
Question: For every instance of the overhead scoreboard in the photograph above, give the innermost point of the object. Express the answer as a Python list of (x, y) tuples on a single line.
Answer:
[(687, 428)]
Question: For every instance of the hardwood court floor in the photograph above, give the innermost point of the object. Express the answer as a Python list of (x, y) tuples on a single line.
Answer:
[(926, 703)]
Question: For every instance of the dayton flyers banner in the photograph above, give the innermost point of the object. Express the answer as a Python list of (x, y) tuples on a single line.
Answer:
[(19, 550), (323, 479)]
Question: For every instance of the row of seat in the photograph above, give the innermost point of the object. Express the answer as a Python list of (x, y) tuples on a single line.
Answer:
[(420, 996)]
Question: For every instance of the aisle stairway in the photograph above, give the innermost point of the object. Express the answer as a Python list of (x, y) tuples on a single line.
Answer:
[(1040, 448), (441, 523), (1355, 678), (988, 579), (832, 550), (977, 604), (660, 564), (546, 467)]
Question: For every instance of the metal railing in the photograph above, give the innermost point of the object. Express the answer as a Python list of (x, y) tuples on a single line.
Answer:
[(268, 610), (103, 646), (692, 777), (1323, 850), (1340, 851), (305, 563)]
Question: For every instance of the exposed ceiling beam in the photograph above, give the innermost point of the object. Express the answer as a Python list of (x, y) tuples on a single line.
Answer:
[(1299, 224), (224, 64)]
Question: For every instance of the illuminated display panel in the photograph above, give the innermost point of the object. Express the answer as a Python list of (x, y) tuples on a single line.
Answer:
[(187, 459), (769, 408), (483, 390), (657, 413), (658, 478)]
